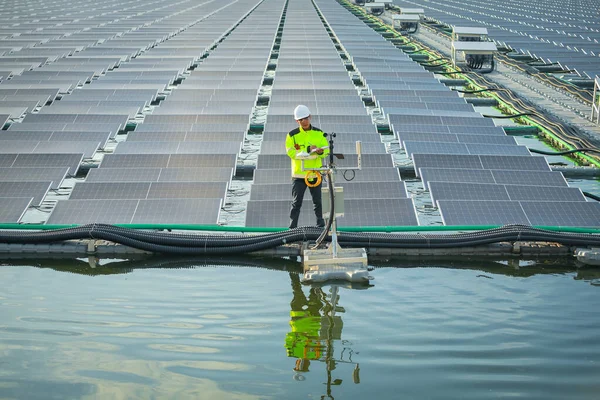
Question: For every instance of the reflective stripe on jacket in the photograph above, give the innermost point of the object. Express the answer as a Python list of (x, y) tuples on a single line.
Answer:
[(299, 140)]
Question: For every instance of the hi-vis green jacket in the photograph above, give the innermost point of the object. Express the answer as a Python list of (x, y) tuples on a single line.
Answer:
[(299, 140)]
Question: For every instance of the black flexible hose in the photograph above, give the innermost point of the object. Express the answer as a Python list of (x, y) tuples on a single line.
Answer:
[(523, 114), (221, 245), (562, 153)]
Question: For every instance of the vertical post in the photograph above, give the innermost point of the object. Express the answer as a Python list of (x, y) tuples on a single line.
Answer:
[(596, 101)]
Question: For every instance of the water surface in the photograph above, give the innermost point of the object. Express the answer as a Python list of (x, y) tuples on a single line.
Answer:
[(461, 330)]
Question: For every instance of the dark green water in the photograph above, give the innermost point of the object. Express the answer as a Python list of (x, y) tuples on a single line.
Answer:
[(481, 330)]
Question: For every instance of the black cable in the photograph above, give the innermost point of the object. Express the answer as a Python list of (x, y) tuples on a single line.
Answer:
[(523, 114), (591, 196), (562, 153), (476, 91)]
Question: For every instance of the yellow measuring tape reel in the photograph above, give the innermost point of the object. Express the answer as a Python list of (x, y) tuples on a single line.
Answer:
[(312, 175)]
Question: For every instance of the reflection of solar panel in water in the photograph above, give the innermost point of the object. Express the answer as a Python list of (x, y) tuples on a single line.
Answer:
[(567, 213), (481, 212), (35, 190), (12, 209), (358, 212)]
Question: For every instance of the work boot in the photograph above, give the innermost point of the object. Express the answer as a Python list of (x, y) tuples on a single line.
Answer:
[(321, 223), (293, 224)]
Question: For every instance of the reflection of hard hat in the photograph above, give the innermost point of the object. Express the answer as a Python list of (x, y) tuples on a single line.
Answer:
[(301, 112)]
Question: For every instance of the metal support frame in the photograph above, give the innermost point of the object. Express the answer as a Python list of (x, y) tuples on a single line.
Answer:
[(595, 116), (335, 263)]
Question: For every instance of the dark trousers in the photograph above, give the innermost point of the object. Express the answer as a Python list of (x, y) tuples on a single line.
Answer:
[(298, 190)]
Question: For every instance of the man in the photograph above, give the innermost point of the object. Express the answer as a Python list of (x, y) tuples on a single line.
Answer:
[(305, 139)]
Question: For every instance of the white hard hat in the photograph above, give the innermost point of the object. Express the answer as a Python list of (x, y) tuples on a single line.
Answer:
[(301, 112)]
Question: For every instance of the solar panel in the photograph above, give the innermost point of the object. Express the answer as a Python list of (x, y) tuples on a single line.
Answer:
[(186, 136), (434, 148), (168, 160), (109, 190), (524, 163), (278, 147), (456, 138), (203, 174), (91, 211), (72, 161), (35, 190), (455, 175), (33, 174), (283, 175), (178, 147), (541, 178), (12, 209), (481, 212), (445, 161), (543, 193), (57, 136), (368, 161), (358, 212), (178, 211), (564, 213), (466, 191), (352, 190)]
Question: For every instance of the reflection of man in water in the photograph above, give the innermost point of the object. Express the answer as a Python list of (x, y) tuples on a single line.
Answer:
[(303, 342)]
